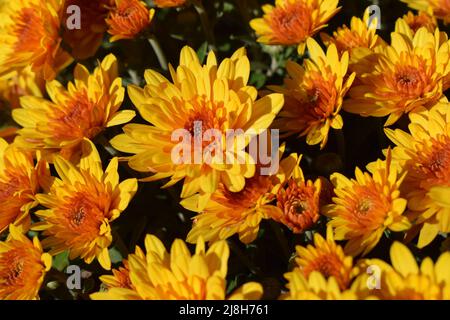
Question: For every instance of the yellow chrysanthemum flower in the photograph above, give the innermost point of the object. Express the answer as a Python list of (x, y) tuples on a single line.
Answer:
[(365, 207), (29, 36), (228, 213), (314, 94), (177, 275), (18, 84), (291, 22), (210, 98), (128, 19), (300, 202), (410, 73), (406, 280), (81, 204), (417, 21), (23, 265), (326, 257), (317, 287), (85, 109), (169, 3), (424, 154), (20, 181), (360, 39), (439, 8)]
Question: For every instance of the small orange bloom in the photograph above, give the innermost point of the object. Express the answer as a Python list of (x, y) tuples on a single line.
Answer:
[(128, 19), (299, 202)]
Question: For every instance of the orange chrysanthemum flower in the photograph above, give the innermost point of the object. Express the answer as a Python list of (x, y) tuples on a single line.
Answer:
[(438, 8), (169, 3), (85, 41), (411, 73), (200, 100), (299, 202), (22, 267), (81, 204), (326, 257), (417, 21), (86, 108), (424, 155), (314, 94), (365, 207), (20, 181), (128, 19), (291, 22), (228, 213), (29, 36), (177, 275)]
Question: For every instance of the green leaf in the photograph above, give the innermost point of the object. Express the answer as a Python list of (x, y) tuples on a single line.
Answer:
[(115, 255), (202, 52), (61, 261)]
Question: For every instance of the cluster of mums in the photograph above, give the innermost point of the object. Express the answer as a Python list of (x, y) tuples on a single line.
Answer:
[(407, 192)]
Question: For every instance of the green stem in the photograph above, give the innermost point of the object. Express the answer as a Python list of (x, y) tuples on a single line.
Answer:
[(206, 24), (159, 53)]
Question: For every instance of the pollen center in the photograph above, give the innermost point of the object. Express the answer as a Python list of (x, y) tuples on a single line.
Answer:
[(79, 216)]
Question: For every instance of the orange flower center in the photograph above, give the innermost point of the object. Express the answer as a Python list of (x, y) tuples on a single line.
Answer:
[(410, 79), (204, 117), (320, 99), (291, 23), (330, 265), (77, 119), (78, 218), (20, 267), (433, 163), (366, 208), (255, 188)]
